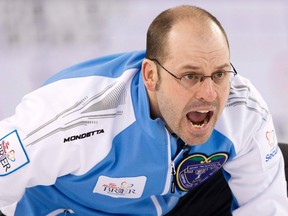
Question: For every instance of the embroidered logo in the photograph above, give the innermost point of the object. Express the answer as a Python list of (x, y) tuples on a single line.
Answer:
[(197, 168), (130, 187), (12, 154), (271, 139)]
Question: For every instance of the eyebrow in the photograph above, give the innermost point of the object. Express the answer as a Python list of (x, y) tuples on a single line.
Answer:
[(224, 65), (193, 67)]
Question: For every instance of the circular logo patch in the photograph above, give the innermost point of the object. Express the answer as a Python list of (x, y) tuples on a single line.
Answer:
[(197, 168)]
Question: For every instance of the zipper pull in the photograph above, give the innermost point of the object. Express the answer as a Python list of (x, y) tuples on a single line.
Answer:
[(173, 177)]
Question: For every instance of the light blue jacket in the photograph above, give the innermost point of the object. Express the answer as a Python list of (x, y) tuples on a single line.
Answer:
[(85, 143)]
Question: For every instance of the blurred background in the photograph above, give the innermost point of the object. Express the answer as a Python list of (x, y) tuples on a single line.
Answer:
[(39, 38)]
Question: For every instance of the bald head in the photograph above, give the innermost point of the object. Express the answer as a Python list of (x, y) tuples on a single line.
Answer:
[(158, 34)]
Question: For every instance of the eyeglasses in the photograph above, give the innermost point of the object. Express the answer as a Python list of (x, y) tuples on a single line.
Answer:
[(191, 79)]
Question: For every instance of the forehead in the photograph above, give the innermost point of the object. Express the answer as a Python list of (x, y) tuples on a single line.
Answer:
[(194, 39)]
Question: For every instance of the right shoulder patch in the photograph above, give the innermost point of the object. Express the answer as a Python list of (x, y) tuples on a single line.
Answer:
[(12, 153)]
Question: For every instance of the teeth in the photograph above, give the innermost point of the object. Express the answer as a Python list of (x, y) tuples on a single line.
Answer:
[(200, 125), (203, 111)]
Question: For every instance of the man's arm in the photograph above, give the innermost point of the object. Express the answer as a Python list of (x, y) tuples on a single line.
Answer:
[(257, 175)]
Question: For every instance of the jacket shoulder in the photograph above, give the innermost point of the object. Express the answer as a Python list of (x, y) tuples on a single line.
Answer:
[(108, 66)]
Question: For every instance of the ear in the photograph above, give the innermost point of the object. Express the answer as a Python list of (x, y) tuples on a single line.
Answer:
[(149, 74)]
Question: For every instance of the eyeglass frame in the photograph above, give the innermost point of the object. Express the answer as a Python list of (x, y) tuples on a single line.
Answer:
[(202, 77)]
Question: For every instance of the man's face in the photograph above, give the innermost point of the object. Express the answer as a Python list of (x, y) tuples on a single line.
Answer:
[(191, 113)]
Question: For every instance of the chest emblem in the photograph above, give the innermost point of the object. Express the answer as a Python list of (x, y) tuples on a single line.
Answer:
[(197, 168)]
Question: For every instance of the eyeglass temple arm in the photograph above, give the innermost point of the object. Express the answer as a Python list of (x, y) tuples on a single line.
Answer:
[(233, 68)]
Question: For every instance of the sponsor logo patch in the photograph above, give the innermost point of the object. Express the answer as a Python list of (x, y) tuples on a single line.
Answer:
[(12, 153), (129, 187), (197, 168), (273, 148)]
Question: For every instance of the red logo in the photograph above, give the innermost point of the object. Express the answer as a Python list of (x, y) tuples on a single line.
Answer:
[(271, 138), (6, 155)]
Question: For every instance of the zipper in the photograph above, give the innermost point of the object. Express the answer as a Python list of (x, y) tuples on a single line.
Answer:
[(173, 177), (185, 148)]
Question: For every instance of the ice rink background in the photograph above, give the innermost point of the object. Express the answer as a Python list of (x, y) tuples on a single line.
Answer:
[(39, 38)]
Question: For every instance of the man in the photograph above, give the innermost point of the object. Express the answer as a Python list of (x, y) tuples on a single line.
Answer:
[(128, 135)]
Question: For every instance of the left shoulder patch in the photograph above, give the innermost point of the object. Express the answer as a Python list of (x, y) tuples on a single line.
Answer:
[(268, 147), (12, 153)]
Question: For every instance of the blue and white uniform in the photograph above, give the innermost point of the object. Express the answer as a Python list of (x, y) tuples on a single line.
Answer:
[(85, 143)]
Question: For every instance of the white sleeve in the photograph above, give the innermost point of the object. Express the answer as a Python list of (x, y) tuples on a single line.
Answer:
[(53, 131), (28, 155), (257, 175)]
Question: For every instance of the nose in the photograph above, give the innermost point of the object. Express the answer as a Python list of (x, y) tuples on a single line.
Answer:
[(206, 90)]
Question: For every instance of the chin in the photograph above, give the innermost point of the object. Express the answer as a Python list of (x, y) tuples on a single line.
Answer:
[(198, 139)]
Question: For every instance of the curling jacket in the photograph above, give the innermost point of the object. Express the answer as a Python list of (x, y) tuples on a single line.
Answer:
[(85, 143)]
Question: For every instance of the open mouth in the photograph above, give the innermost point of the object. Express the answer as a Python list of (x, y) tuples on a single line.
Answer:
[(199, 118)]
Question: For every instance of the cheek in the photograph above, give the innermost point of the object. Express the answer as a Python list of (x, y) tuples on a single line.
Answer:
[(171, 101), (179, 97), (223, 97)]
